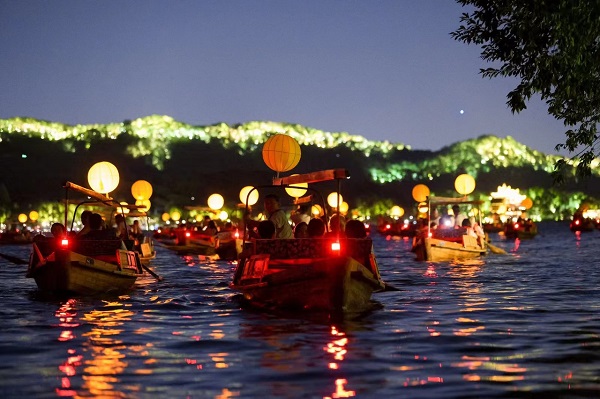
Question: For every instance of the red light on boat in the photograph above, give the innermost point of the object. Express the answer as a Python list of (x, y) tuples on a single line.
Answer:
[(387, 226), (516, 225), (237, 234), (187, 234), (430, 234), (64, 242), (577, 222), (335, 246)]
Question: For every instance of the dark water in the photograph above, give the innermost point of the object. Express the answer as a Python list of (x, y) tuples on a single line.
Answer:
[(523, 325)]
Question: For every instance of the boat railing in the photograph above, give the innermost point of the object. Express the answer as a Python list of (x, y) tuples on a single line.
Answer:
[(297, 248)]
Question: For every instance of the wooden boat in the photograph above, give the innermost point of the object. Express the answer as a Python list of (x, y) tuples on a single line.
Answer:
[(85, 267), (521, 229), (317, 274), (447, 244), (188, 242)]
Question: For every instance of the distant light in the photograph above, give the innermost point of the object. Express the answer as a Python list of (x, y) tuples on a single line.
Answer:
[(462, 111), (23, 156)]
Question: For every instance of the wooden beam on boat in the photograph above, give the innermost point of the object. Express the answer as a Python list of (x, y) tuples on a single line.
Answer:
[(313, 177), (304, 200), (86, 191)]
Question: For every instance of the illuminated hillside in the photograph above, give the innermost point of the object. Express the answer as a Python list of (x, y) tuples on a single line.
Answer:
[(156, 133), (474, 157)]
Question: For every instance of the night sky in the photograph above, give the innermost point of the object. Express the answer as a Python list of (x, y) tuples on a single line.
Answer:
[(386, 70)]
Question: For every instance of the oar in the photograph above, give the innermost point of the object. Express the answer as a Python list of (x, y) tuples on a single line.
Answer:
[(156, 276), (495, 249), (14, 259)]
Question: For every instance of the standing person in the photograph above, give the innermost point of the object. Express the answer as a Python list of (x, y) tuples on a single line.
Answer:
[(276, 215), (121, 227)]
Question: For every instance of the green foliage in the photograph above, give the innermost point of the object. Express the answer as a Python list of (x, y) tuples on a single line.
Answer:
[(553, 47)]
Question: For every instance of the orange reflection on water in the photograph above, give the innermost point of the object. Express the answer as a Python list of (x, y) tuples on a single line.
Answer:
[(340, 390), (219, 359), (510, 371)]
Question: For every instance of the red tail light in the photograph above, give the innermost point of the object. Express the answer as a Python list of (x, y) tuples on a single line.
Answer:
[(64, 243), (335, 246)]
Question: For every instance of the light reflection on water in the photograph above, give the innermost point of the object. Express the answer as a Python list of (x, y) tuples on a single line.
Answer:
[(525, 324)]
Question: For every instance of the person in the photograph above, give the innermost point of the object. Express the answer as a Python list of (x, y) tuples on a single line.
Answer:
[(96, 231), (355, 229), (316, 228), (136, 233), (58, 230), (301, 230), (266, 229), (276, 215), (337, 226), (205, 221), (301, 214), (121, 229), (85, 221), (211, 229), (466, 223), (458, 216)]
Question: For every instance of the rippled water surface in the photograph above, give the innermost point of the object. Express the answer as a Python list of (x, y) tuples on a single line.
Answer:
[(522, 325)]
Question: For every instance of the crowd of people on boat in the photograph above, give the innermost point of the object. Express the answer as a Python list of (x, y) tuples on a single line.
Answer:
[(456, 219)]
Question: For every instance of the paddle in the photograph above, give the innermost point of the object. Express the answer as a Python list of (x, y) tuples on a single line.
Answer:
[(495, 249), (14, 259), (156, 276)]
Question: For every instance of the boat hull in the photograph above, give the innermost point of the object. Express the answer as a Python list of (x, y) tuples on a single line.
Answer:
[(332, 284), (305, 277), (439, 250), (66, 271)]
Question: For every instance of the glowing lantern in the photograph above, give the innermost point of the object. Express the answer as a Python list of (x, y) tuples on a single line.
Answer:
[(423, 208), (141, 190), (420, 192), (281, 153), (145, 203), (344, 207), (316, 210), (215, 202), (175, 215), (123, 209), (296, 192), (396, 211), (223, 216), (464, 184), (34, 215), (253, 199), (22, 218), (334, 199), (527, 204), (103, 177), (165, 217), (199, 218)]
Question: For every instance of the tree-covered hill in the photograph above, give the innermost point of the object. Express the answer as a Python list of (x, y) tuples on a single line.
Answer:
[(185, 163)]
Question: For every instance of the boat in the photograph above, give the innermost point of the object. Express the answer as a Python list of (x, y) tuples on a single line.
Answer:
[(447, 244), (522, 229), (398, 228), (184, 241), (81, 266), (331, 274)]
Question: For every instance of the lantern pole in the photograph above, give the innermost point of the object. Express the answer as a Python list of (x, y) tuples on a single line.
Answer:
[(66, 207)]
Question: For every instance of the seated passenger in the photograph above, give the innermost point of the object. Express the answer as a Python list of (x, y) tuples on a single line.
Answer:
[(96, 232), (337, 226), (316, 228), (266, 229), (355, 229), (301, 230), (58, 230)]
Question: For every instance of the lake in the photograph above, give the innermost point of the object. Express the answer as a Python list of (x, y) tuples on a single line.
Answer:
[(521, 325)]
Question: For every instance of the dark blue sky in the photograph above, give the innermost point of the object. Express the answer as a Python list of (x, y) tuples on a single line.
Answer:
[(385, 69)]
